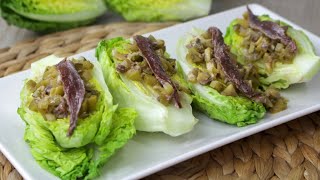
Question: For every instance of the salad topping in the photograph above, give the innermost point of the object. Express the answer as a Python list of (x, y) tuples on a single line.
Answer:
[(65, 89), (146, 61), (215, 66), (272, 30), (229, 67), (154, 62), (264, 41)]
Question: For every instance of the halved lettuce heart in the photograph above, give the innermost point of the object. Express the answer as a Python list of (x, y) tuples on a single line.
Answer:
[(239, 111), (94, 140), (49, 16), (305, 65), (152, 115), (160, 10), (87, 128), (57, 11)]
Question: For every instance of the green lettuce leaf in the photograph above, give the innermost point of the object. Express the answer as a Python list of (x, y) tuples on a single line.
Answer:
[(152, 115), (305, 65), (94, 140), (239, 111), (48, 16), (160, 10)]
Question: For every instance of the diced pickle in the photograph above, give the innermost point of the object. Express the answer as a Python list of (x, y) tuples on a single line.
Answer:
[(163, 100), (279, 105), (272, 92), (44, 83), (207, 54), (78, 66), (279, 47), (229, 91), (211, 67), (134, 74), (84, 107), (249, 82), (87, 65), (86, 75), (160, 43), (118, 56), (43, 103), (164, 64), (203, 78), (92, 102), (50, 73), (33, 106), (127, 64), (50, 117), (152, 38), (131, 47), (194, 56), (57, 91), (185, 89), (192, 78), (48, 93), (167, 89), (158, 88), (136, 56), (206, 43), (55, 100), (206, 35), (31, 85), (150, 80), (53, 82), (251, 47), (217, 85)]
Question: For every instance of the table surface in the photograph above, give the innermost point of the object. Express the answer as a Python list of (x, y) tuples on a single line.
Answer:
[(302, 12)]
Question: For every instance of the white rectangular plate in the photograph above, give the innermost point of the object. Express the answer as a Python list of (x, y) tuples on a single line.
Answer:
[(147, 153)]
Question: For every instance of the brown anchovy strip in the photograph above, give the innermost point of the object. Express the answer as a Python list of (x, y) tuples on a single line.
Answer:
[(146, 48), (271, 30), (74, 91), (229, 67)]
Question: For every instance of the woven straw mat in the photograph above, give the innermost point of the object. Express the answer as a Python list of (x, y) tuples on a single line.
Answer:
[(289, 151)]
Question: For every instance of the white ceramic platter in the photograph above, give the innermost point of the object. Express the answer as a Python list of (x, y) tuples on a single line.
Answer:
[(147, 153)]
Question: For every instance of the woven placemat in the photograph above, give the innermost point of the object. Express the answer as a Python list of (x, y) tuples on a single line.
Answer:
[(289, 151)]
